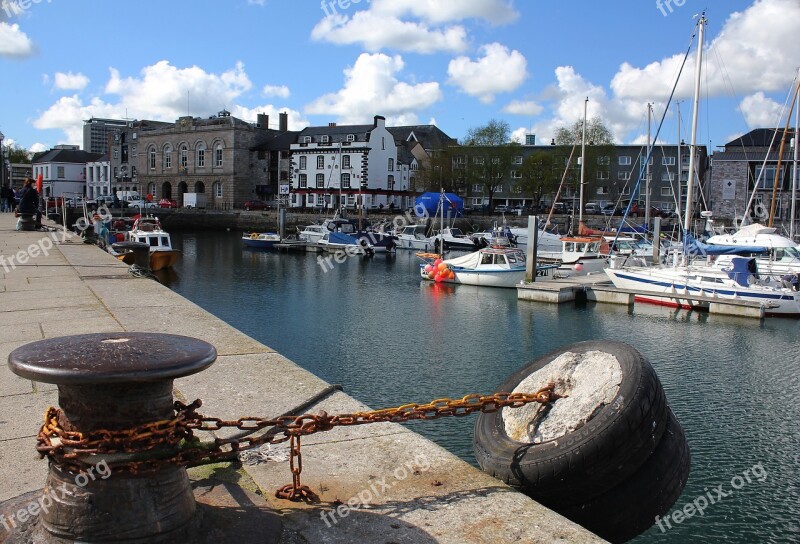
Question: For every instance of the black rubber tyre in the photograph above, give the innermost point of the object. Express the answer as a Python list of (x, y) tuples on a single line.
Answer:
[(585, 463), (631, 507)]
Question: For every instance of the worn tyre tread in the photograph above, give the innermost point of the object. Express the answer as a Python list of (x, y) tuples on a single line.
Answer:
[(587, 462)]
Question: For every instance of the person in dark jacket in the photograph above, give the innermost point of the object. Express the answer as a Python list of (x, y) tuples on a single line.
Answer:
[(29, 202)]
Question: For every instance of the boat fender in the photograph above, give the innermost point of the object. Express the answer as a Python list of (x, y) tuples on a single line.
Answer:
[(254, 236), (605, 428)]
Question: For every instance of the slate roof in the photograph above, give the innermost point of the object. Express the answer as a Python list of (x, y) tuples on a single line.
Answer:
[(75, 156), (760, 137)]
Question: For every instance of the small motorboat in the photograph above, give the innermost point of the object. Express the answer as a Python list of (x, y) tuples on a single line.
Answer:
[(260, 240), (147, 230)]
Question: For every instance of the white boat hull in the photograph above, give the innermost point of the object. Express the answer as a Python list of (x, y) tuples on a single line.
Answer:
[(664, 286)]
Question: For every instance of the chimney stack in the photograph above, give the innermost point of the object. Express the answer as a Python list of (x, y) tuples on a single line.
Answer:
[(283, 122), (331, 124), (262, 120)]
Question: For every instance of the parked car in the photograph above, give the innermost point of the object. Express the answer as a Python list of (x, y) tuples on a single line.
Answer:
[(501, 208), (144, 204), (610, 209), (255, 205), (167, 203), (591, 208)]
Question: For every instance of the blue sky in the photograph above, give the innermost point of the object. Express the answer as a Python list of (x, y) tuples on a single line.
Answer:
[(457, 63)]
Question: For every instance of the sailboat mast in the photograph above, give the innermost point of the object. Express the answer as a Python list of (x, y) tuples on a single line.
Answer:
[(678, 203), (778, 177), (794, 173), (583, 160), (647, 173), (695, 107)]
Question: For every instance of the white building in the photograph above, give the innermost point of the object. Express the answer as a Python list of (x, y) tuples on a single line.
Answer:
[(98, 178), (63, 170), (332, 166)]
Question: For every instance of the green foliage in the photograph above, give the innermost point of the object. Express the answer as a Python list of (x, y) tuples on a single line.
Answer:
[(540, 175), (493, 133), (17, 155)]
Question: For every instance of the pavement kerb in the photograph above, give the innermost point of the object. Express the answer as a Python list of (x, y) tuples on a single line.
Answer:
[(433, 496)]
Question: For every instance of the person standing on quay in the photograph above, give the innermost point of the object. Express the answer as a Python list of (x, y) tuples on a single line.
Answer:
[(29, 202)]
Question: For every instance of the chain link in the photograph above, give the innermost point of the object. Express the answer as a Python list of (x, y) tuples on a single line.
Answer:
[(154, 445)]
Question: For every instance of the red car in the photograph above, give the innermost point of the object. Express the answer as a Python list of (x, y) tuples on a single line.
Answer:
[(167, 203), (255, 205)]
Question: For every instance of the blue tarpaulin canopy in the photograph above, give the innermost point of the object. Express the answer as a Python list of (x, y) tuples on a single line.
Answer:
[(428, 204)]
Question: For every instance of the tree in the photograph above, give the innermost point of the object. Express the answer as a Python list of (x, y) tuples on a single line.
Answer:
[(539, 175), (16, 154), (493, 133), (485, 166), (599, 148)]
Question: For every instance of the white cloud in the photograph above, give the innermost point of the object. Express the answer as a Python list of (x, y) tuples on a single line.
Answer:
[(752, 52), (281, 91), (14, 42), (375, 32), (760, 111), (38, 147), (68, 113), (164, 92), (70, 81), (371, 88), (498, 70), (496, 12), (261, 3), (523, 107), (161, 92)]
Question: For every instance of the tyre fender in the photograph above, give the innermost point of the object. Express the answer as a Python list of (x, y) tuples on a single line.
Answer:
[(577, 466)]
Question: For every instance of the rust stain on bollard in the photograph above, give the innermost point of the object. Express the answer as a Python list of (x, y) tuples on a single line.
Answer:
[(114, 381)]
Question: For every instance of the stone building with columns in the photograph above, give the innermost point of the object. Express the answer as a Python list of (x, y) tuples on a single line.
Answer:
[(214, 156)]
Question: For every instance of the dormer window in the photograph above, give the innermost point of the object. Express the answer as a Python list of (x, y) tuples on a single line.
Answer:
[(351, 137), (323, 139), (306, 139)]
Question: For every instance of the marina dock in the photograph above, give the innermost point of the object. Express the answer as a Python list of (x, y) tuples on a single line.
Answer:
[(51, 287), (598, 288)]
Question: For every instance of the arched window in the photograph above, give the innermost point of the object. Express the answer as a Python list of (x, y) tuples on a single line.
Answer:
[(218, 155), (199, 187), (151, 157), (151, 189), (200, 153), (184, 156), (168, 156), (217, 187)]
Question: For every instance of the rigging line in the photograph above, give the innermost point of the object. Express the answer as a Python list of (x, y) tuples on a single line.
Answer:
[(663, 117), (763, 169)]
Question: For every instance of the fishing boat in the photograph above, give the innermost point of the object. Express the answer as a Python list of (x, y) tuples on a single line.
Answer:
[(493, 266), (260, 240), (333, 241), (579, 256), (413, 237), (453, 238), (312, 233), (147, 230)]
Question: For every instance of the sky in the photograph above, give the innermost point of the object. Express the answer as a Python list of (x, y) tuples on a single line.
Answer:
[(453, 63)]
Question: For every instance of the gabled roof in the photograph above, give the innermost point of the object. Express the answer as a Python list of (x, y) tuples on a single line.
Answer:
[(336, 133), (760, 137), (429, 136), (76, 156)]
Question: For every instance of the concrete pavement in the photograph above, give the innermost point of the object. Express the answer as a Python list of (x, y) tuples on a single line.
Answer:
[(402, 487)]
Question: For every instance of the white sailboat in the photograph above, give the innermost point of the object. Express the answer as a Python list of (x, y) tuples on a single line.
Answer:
[(739, 280)]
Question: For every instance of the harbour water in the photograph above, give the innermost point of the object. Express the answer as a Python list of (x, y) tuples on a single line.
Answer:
[(388, 338)]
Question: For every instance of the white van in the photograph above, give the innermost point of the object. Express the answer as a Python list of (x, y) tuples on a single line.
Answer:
[(128, 196)]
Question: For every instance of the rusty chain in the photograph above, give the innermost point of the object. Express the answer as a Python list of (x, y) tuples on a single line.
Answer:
[(153, 445)]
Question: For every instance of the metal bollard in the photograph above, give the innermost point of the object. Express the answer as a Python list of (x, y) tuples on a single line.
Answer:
[(115, 381), (140, 251)]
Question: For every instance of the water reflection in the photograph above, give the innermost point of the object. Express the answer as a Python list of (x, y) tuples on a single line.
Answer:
[(389, 338)]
